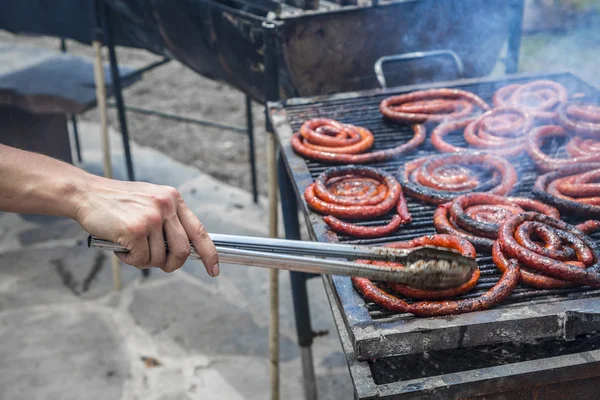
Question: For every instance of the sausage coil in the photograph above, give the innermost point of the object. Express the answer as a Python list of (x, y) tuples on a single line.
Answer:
[(501, 131), (330, 141), (500, 291), (477, 216), (433, 105), (539, 98), (357, 193), (441, 178), (574, 189), (550, 252), (580, 150), (583, 119)]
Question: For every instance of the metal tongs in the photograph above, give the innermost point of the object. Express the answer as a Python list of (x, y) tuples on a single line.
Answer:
[(426, 267)]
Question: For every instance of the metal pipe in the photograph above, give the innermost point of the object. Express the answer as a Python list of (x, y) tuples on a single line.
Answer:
[(101, 100), (272, 93), (145, 111), (419, 55), (117, 89), (251, 155), (150, 67), (63, 48), (308, 372), (298, 282)]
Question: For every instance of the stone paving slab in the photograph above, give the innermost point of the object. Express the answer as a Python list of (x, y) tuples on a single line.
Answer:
[(209, 335), (60, 353)]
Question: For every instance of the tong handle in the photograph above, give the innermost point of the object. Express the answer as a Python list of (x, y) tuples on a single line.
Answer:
[(420, 276), (293, 247), (309, 248)]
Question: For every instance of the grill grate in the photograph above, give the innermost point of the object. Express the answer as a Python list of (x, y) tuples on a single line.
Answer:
[(363, 110), (389, 134)]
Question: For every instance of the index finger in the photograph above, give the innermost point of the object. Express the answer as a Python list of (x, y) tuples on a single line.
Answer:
[(199, 237)]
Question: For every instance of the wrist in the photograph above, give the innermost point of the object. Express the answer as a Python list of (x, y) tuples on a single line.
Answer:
[(76, 195)]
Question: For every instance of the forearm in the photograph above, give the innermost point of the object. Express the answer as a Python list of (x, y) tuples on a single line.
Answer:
[(36, 184), (136, 215)]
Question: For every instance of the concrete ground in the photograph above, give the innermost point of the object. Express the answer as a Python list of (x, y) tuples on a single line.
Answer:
[(65, 334)]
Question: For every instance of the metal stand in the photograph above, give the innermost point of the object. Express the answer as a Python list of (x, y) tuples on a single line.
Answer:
[(250, 130), (304, 330), (291, 223), (101, 99), (272, 94), (117, 88), (63, 48), (105, 27)]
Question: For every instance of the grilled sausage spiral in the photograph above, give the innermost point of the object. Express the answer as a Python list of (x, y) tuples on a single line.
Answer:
[(433, 105), (357, 193), (539, 98), (330, 141), (583, 119), (550, 252), (501, 131), (440, 178), (496, 294), (580, 150), (574, 189), (477, 216)]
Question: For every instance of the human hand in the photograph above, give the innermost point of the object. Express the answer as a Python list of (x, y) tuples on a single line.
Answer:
[(135, 215)]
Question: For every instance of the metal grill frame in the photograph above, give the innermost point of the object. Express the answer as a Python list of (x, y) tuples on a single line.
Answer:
[(370, 338), (576, 373)]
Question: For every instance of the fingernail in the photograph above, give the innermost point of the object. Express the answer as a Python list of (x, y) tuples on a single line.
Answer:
[(215, 270)]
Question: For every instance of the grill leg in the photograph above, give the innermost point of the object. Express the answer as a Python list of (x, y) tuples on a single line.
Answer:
[(117, 92), (308, 372), (76, 137), (252, 156), (63, 48), (304, 330)]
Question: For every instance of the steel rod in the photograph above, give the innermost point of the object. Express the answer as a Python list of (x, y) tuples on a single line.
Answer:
[(63, 48), (117, 89), (273, 274), (308, 372), (179, 118), (271, 94), (319, 249), (101, 101), (251, 154)]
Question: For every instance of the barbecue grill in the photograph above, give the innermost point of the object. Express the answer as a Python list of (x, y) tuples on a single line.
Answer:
[(223, 39), (530, 345)]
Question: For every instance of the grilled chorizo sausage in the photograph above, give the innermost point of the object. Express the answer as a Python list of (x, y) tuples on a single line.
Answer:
[(440, 178), (581, 151), (501, 131), (433, 105), (357, 193), (583, 119), (478, 216), (540, 98), (496, 294), (338, 146), (580, 265), (571, 189)]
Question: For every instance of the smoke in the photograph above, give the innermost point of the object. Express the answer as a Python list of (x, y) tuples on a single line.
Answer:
[(476, 30)]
